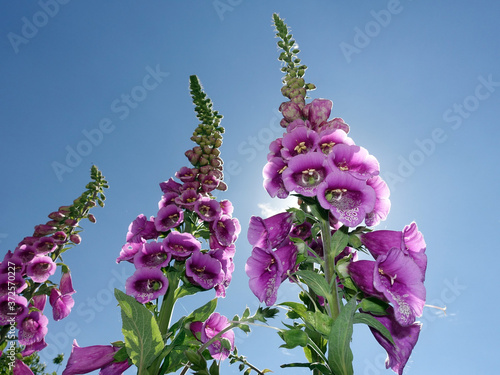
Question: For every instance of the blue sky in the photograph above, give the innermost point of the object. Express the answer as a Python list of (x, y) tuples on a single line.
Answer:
[(417, 81)]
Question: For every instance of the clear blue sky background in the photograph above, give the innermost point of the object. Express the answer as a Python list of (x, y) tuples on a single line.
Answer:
[(417, 81)]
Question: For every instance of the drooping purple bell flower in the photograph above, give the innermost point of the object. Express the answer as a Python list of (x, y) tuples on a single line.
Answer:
[(265, 270), (152, 255), (273, 178), (33, 328), (347, 198), (168, 217), (128, 251), (13, 308), (404, 339), (270, 232), (205, 331), (331, 137), (41, 268), (142, 229), (204, 270), (90, 358), (382, 202), (305, 173), (299, 141), (181, 245), (45, 245), (146, 284), (354, 160), (208, 209), (226, 230), (21, 368), (61, 304), (7, 283)]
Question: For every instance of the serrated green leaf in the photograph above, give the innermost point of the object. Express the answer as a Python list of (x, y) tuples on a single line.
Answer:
[(293, 338), (143, 339), (321, 322), (202, 313), (339, 241), (371, 321), (339, 351), (316, 282)]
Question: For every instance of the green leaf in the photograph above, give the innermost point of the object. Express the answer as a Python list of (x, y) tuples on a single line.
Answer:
[(121, 355), (321, 322), (142, 336), (339, 351), (293, 338), (202, 313), (214, 368), (186, 290), (316, 282), (339, 241), (354, 241), (374, 306), (371, 321)]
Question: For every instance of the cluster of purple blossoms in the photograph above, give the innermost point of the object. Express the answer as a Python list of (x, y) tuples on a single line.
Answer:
[(206, 331), (30, 265), (316, 158), (153, 243)]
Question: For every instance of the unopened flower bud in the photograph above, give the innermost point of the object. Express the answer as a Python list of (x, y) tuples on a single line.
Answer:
[(75, 238), (91, 218), (64, 209), (218, 143), (197, 150), (222, 186), (57, 215), (70, 222), (203, 161)]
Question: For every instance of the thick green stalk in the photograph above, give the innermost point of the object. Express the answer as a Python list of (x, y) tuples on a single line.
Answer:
[(329, 258)]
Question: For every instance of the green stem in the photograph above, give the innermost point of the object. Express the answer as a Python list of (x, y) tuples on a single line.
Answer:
[(330, 275)]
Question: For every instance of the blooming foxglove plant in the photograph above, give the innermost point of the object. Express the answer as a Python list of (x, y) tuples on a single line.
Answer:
[(339, 189)]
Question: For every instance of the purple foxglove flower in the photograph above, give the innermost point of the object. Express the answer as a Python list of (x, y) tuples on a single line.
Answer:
[(382, 202), (299, 141), (187, 199), (41, 268), (44, 230), (45, 245), (290, 111), (305, 173), (142, 229), (21, 368), (275, 149), (61, 304), (38, 302), (181, 245), (208, 209), (146, 284), (354, 160), (17, 305), (273, 179), (269, 233), (88, 359), (170, 186), (128, 251), (318, 111), (115, 368), (186, 174), (60, 237), (336, 123), (404, 338), (205, 331), (168, 217), (347, 198), (331, 137), (35, 347), (226, 207), (33, 328), (167, 199), (265, 270), (287, 255), (226, 230), (226, 260), (409, 240), (393, 277), (195, 185), (17, 259), (7, 283), (204, 270), (66, 284), (152, 255), (209, 182), (296, 124), (302, 231)]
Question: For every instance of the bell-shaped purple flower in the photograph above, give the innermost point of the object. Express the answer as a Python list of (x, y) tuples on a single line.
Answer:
[(181, 245), (305, 173), (170, 186), (146, 284), (45, 245), (167, 199), (273, 178), (347, 198), (15, 307), (208, 209), (25, 253), (330, 137), (152, 255), (204, 270), (299, 141), (225, 258), (226, 230), (395, 278), (7, 283), (33, 328), (128, 251), (382, 202), (354, 160), (90, 358), (168, 217), (187, 198), (142, 229), (35, 347), (186, 174), (41, 268), (205, 331), (404, 339), (21, 368), (269, 233), (318, 111), (265, 271), (61, 304)]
